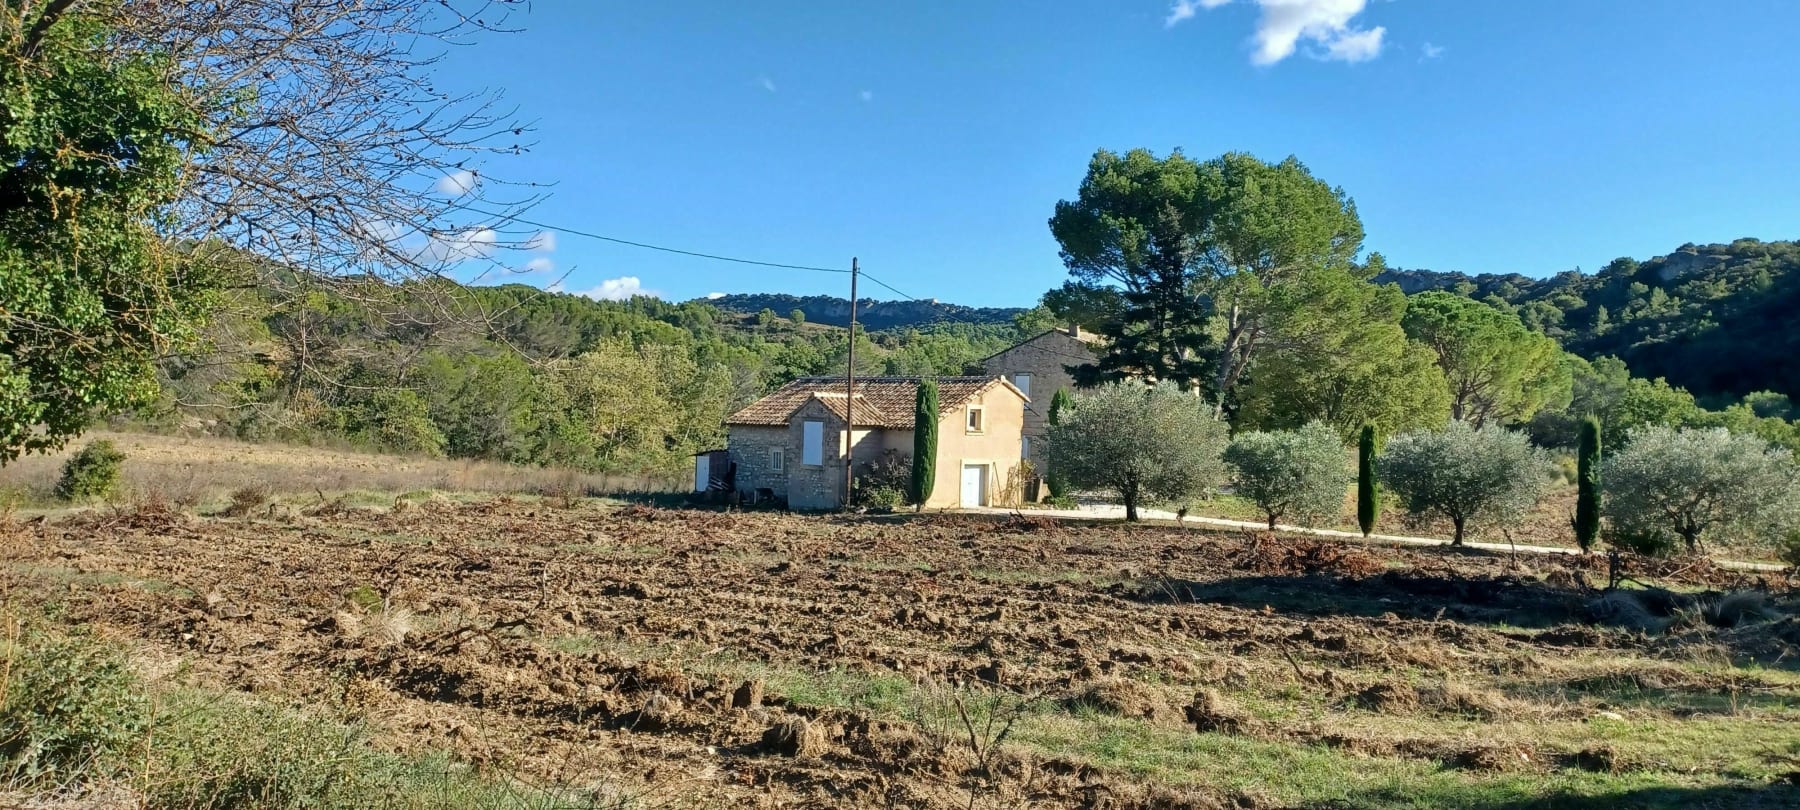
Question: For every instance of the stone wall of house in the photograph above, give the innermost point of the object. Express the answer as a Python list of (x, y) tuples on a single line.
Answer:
[(751, 448), (819, 486), (1046, 358)]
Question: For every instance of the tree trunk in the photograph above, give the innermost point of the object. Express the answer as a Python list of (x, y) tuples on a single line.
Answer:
[(1271, 521), (1457, 540)]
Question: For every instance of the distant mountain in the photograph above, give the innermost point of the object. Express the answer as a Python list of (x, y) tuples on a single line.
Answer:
[(871, 315), (1719, 320)]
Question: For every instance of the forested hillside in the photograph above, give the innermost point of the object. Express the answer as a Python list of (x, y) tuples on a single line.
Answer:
[(515, 374), (834, 311), (1717, 320)]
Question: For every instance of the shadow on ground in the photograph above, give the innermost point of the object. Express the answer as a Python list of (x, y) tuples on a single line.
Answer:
[(1785, 796)]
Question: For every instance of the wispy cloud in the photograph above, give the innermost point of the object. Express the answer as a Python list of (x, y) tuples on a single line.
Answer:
[(766, 83), (456, 246), (714, 296), (457, 183), (541, 264), (1285, 24), (540, 242), (1430, 51), (614, 289)]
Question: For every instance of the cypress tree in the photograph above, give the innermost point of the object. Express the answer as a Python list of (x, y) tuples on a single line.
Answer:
[(925, 441), (1059, 404), (1368, 490), (1587, 482)]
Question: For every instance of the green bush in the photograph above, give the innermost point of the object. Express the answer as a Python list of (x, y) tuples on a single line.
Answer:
[(1690, 487), (70, 709), (1295, 474), (92, 473), (883, 482), (1790, 548), (1368, 486), (1466, 475)]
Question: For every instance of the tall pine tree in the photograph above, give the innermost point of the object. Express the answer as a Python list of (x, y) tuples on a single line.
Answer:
[(1587, 483), (925, 441), (1368, 490)]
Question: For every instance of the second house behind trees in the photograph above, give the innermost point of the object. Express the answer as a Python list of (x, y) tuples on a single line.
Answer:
[(790, 444)]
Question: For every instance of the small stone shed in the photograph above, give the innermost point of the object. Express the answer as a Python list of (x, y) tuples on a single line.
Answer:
[(790, 444)]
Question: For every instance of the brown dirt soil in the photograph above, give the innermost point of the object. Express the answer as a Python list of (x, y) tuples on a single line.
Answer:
[(591, 642)]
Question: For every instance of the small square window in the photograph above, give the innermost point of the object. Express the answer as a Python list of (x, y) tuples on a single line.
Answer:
[(976, 422), (778, 459)]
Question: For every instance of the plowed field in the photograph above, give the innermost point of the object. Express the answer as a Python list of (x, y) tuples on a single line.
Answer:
[(696, 658)]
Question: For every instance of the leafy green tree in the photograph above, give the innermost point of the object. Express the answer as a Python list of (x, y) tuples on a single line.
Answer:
[(1498, 370), (1466, 474), (797, 316), (925, 441), (1142, 443), (1587, 481), (1697, 486), (1060, 404), (765, 318), (1198, 250), (1368, 487), (94, 152), (1345, 360), (1297, 474), (606, 410), (91, 473)]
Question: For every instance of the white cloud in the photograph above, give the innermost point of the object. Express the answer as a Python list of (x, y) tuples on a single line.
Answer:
[(714, 296), (540, 265), (617, 289), (457, 183), (1285, 24), (766, 83), (540, 242), (867, 95), (1185, 9), (456, 246), (1430, 51)]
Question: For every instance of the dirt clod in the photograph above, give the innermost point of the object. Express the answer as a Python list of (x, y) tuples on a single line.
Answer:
[(795, 737), (748, 695), (1211, 712)]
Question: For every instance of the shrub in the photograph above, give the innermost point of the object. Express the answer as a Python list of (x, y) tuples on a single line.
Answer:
[(1466, 474), (92, 473), (70, 709), (1140, 443), (1058, 484), (1790, 548), (1294, 473), (883, 481), (1693, 486)]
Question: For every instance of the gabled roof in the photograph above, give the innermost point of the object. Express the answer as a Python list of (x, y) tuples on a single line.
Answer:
[(885, 402), (1087, 339)]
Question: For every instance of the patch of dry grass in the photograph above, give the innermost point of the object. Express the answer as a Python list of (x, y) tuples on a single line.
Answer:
[(224, 473)]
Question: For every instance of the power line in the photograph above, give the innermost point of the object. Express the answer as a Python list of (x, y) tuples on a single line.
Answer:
[(648, 246), (716, 257)]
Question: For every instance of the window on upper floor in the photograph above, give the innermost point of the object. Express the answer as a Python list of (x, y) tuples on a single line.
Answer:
[(777, 459), (1022, 381), (977, 419)]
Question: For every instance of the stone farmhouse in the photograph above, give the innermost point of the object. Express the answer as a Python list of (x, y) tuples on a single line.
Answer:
[(1038, 367), (790, 444)]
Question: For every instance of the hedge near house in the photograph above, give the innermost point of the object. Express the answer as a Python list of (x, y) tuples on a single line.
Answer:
[(925, 441)]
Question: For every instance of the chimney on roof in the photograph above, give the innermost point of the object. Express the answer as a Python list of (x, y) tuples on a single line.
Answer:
[(1074, 330)]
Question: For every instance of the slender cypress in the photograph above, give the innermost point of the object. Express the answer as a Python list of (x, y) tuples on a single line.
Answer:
[(1059, 404), (1587, 482), (1368, 490), (925, 441)]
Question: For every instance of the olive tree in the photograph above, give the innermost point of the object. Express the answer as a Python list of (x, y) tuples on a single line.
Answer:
[(1299, 474), (1698, 485), (1140, 443), (1466, 474)]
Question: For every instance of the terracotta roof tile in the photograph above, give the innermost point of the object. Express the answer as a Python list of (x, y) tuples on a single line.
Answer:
[(885, 402)]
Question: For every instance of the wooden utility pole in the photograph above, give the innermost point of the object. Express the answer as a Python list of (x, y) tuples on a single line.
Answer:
[(850, 396)]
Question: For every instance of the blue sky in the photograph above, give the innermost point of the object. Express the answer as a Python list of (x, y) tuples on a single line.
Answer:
[(933, 139)]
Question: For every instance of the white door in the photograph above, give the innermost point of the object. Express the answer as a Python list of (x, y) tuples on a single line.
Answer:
[(702, 471), (974, 485)]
